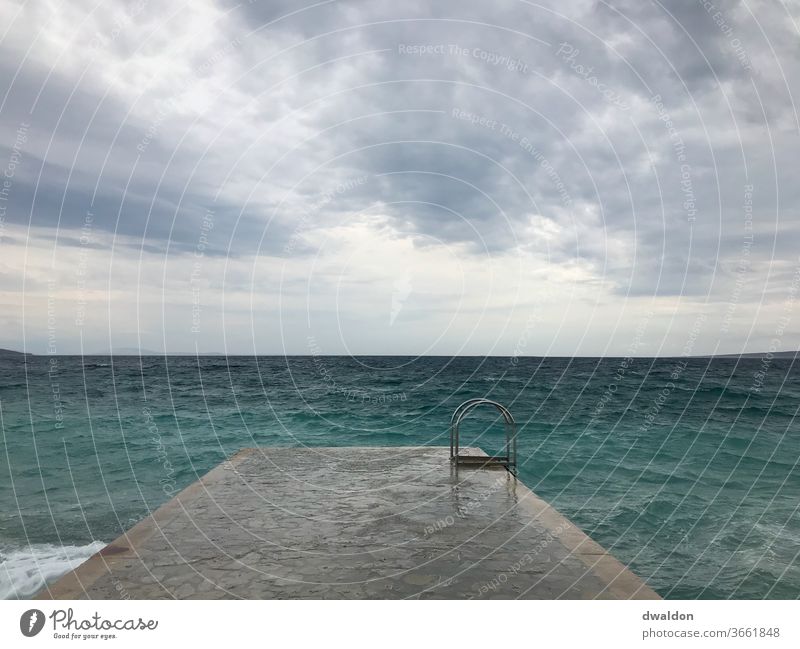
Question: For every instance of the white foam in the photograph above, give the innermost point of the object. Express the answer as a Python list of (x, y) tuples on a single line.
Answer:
[(23, 571)]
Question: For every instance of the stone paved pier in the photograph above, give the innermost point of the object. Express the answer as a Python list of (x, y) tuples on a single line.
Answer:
[(333, 523)]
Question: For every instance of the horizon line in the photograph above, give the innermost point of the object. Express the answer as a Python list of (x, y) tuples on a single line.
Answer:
[(151, 354)]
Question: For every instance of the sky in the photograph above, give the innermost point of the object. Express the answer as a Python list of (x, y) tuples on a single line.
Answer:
[(373, 177)]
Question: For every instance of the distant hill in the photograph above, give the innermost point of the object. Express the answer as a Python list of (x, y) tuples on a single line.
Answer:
[(10, 353), (757, 355), (127, 351), (133, 351), (119, 351)]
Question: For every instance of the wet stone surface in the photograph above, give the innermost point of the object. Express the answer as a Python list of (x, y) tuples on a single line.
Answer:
[(332, 523)]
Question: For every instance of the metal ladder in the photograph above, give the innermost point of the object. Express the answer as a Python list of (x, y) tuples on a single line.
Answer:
[(509, 460)]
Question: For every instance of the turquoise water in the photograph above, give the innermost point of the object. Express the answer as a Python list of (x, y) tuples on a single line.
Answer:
[(685, 469)]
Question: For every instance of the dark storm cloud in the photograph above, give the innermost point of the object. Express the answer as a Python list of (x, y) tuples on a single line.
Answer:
[(634, 122)]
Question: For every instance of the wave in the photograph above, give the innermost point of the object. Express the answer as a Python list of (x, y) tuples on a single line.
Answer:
[(24, 571)]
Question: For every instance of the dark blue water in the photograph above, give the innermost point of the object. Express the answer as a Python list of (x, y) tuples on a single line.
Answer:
[(685, 469)]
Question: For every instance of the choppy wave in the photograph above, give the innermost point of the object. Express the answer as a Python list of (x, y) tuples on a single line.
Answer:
[(24, 571)]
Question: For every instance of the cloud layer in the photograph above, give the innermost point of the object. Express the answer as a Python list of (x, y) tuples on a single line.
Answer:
[(399, 177)]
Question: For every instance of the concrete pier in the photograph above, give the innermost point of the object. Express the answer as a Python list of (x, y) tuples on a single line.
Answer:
[(352, 523)]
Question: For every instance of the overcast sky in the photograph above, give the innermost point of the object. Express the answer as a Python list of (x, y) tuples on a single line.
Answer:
[(383, 177)]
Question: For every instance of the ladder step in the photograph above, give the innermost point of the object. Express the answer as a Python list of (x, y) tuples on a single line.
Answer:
[(482, 459)]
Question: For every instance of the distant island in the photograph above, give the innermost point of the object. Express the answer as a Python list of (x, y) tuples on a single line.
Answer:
[(122, 351), (5, 353), (755, 355)]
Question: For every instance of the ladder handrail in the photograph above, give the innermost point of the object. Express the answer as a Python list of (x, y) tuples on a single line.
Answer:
[(471, 404), (468, 406)]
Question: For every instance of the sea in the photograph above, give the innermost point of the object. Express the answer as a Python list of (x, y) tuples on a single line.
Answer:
[(686, 469)]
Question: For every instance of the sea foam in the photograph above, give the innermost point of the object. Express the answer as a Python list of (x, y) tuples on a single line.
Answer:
[(24, 571)]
